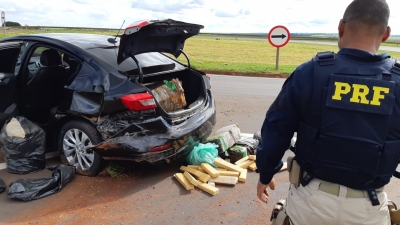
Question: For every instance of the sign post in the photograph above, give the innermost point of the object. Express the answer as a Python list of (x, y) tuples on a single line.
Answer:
[(3, 21), (278, 37)]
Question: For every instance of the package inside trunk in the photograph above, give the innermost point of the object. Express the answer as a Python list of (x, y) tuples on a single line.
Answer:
[(178, 93)]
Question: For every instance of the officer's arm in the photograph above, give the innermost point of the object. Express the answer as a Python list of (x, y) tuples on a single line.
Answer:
[(278, 129)]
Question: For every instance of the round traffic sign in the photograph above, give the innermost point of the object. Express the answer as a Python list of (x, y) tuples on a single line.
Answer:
[(279, 36)]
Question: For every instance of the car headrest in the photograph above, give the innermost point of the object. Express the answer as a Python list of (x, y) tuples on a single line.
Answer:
[(50, 57)]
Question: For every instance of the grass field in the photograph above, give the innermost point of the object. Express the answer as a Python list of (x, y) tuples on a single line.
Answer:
[(250, 56), (230, 54)]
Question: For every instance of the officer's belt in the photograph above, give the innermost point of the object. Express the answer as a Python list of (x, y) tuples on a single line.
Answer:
[(332, 188), (296, 174)]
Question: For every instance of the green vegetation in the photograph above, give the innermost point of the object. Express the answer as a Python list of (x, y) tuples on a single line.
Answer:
[(18, 31), (12, 24), (114, 170), (250, 56), (234, 53)]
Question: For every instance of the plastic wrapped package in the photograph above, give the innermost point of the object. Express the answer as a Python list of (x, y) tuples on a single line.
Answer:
[(224, 141), (237, 152), (257, 136), (23, 145), (250, 143), (31, 189), (203, 153), (233, 130), (225, 138), (170, 94)]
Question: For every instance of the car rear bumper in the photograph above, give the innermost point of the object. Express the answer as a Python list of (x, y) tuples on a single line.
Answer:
[(139, 139)]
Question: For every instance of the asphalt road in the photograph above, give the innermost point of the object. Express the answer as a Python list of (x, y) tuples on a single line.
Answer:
[(148, 194)]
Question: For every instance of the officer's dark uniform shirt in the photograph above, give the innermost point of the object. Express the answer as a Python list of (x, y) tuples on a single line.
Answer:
[(293, 105)]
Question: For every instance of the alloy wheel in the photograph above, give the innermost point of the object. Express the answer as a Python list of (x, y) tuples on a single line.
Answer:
[(76, 149)]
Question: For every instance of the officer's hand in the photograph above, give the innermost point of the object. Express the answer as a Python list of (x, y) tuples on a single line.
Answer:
[(262, 191)]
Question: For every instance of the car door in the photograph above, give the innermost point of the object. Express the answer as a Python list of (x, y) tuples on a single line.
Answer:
[(9, 53)]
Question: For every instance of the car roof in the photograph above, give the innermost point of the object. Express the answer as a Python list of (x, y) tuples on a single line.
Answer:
[(84, 41)]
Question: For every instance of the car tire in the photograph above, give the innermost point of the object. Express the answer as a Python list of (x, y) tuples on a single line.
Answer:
[(75, 136)]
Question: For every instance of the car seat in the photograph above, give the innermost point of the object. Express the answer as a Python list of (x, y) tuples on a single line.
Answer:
[(74, 68), (45, 89)]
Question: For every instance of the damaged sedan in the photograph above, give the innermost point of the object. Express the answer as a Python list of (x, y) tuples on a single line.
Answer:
[(100, 97)]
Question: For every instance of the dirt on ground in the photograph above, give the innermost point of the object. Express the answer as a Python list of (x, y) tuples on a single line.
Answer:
[(148, 195)]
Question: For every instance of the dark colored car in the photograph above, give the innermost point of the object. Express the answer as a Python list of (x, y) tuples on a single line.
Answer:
[(91, 94)]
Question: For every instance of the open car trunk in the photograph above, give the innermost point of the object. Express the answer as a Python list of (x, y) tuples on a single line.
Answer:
[(194, 87), (166, 36)]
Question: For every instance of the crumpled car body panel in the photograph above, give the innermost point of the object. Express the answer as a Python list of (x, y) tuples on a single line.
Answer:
[(135, 141)]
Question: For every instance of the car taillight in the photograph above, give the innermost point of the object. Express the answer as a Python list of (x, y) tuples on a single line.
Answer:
[(138, 102), (136, 26), (160, 148)]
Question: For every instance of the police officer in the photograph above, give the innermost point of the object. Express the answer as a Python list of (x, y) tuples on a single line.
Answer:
[(345, 108)]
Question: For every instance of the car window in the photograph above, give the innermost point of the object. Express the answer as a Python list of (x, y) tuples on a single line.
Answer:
[(58, 58), (9, 57), (150, 59)]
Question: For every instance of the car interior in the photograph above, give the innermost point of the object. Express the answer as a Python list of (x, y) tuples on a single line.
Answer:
[(8, 83), (50, 71)]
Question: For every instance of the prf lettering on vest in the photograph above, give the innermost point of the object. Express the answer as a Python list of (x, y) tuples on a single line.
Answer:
[(359, 93)]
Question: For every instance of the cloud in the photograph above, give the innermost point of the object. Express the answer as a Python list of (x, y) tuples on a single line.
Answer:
[(221, 13), (230, 16), (81, 1), (320, 22), (244, 12), (167, 7)]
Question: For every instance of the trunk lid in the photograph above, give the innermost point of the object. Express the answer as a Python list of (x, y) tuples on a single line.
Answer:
[(167, 36)]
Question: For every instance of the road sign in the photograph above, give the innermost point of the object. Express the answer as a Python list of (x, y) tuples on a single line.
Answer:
[(3, 18), (279, 36), (3, 21)]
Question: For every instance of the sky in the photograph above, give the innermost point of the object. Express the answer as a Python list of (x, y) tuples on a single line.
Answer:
[(217, 16)]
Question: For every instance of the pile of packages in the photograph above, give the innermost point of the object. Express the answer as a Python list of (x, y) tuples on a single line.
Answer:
[(223, 160), (232, 144), (169, 94), (205, 176)]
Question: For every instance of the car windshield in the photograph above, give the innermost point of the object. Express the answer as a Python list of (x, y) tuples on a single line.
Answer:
[(151, 62)]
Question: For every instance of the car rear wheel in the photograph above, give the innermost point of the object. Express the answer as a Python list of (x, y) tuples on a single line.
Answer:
[(76, 137)]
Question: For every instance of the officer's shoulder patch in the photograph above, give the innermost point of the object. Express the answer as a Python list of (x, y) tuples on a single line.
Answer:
[(360, 94)]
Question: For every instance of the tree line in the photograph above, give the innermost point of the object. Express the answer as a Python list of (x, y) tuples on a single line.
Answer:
[(12, 24)]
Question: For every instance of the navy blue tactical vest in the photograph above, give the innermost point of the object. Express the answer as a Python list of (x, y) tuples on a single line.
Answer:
[(353, 106)]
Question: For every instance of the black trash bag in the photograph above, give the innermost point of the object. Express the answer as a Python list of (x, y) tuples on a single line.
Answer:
[(31, 189), (2, 186), (24, 155)]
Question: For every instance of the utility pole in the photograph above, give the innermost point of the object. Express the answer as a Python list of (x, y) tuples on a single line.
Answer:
[(3, 20)]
